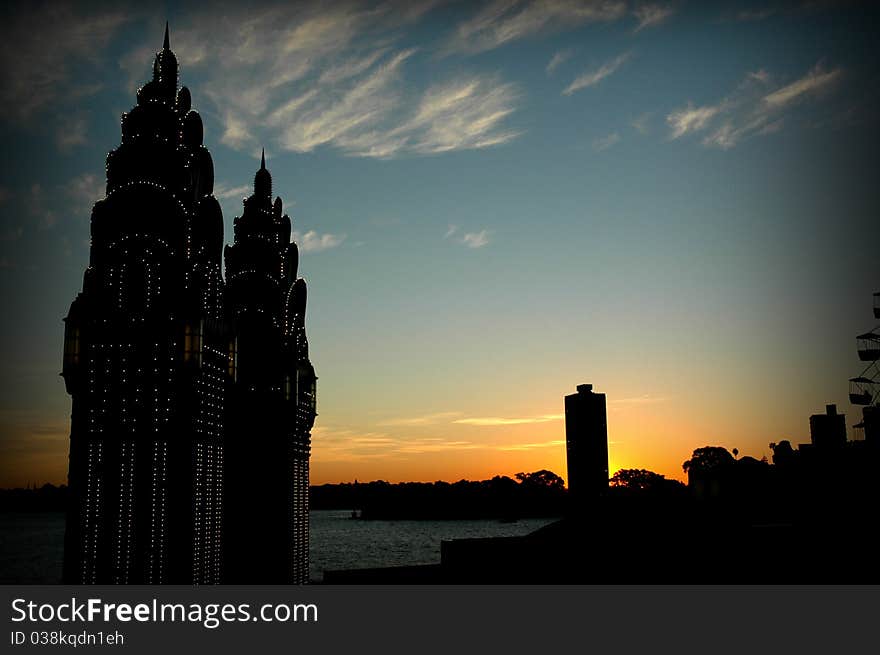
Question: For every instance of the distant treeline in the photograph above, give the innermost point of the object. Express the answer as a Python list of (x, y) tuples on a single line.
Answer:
[(538, 494), (541, 493), (47, 498)]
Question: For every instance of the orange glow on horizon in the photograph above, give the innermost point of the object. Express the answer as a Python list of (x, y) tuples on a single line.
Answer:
[(442, 445)]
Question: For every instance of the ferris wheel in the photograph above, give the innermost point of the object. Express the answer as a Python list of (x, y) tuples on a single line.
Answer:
[(864, 390)]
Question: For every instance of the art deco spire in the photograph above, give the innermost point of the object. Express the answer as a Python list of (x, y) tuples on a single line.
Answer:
[(273, 395), (165, 67), (263, 181), (146, 356)]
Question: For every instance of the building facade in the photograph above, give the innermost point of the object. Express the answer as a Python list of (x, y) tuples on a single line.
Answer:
[(586, 444), (271, 407), (146, 357), (151, 360)]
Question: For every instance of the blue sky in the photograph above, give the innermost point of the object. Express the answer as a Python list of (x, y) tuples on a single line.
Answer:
[(494, 202)]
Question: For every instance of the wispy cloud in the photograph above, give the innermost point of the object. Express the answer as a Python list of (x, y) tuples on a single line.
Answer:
[(816, 82), (135, 63), (504, 21), (555, 443), (83, 191), (691, 119), (641, 123), (236, 133), (591, 78), (46, 42), (638, 400), (469, 239), (342, 444), (312, 241), (312, 75), (651, 15), (426, 419), (225, 191), (792, 8), (45, 207), (476, 239), (350, 68), (605, 142), (493, 421), (463, 114), (750, 15), (72, 132), (754, 108), (438, 445), (558, 59), (44, 216), (313, 119)]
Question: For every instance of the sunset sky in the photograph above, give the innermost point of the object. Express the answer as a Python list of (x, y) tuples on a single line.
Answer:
[(494, 203)]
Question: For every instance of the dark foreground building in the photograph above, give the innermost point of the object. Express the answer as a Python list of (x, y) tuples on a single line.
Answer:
[(586, 444), (179, 452), (828, 430), (271, 407)]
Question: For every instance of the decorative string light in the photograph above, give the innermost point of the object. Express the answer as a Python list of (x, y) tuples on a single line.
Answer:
[(152, 353)]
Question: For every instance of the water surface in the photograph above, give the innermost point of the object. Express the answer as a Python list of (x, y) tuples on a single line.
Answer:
[(32, 544)]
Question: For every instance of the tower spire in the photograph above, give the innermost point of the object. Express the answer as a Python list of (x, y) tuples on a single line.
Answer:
[(167, 44), (263, 181)]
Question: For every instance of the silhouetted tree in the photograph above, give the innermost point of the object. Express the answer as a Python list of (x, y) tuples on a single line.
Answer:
[(637, 479), (503, 480), (644, 484), (708, 460), (783, 453), (543, 478)]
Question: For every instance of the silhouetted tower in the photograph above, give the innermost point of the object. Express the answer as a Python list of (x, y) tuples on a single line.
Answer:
[(272, 404), (828, 430), (864, 390), (146, 357), (586, 441)]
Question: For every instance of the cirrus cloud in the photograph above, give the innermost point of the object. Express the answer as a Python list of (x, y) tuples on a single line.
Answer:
[(502, 21), (593, 77), (651, 15), (305, 76), (756, 107), (606, 142), (494, 421), (313, 241), (46, 42)]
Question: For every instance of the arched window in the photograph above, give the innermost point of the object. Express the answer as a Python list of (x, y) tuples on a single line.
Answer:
[(71, 345), (233, 359), (192, 342)]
